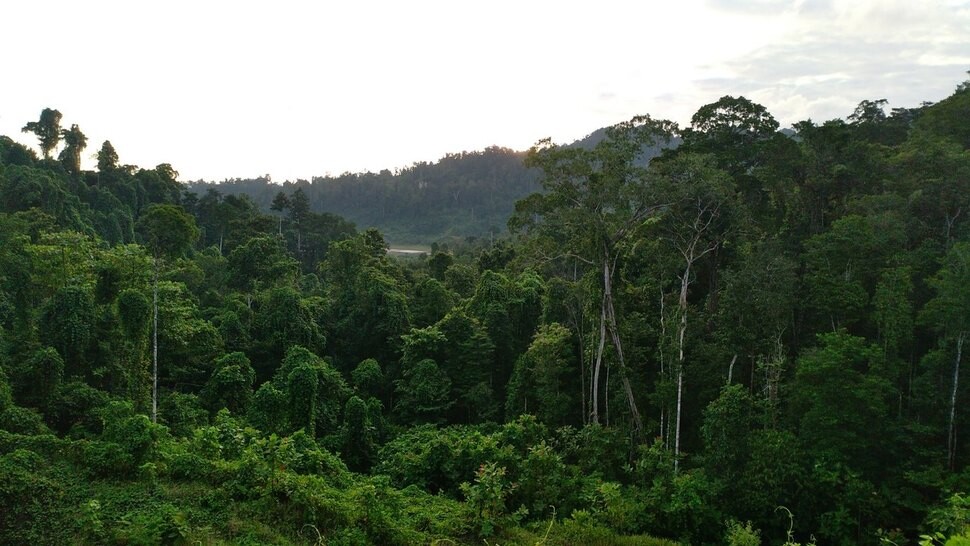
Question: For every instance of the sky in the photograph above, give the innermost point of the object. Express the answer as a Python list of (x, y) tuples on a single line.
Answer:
[(296, 89)]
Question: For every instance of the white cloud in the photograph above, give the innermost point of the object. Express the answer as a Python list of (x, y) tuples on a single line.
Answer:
[(842, 52), (295, 89)]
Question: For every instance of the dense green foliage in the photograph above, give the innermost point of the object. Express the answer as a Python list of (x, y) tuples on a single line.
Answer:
[(754, 337), (466, 194)]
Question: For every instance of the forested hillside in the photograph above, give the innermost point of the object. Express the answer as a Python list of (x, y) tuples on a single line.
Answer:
[(757, 337), (461, 196), (470, 194)]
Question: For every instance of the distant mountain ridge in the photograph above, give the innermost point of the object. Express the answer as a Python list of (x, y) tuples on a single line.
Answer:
[(467, 194)]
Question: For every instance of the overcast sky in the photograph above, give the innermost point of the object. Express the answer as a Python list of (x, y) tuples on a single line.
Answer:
[(302, 88)]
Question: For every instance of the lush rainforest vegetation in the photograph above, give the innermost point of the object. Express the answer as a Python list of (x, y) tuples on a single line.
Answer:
[(462, 196), (756, 337), (470, 194)]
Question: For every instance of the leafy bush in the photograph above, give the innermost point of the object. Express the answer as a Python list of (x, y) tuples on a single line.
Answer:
[(438, 459), (106, 459), (160, 524), (182, 413), (739, 534), (22, 421), (29, 496), (486, 499), (76, 408), (136, 435)]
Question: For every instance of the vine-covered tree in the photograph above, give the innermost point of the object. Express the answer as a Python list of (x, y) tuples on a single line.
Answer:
[(47, 129), (168, 231), (74, 144)]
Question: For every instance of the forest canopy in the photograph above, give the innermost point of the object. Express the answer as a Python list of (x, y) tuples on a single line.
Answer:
[(724, 333)]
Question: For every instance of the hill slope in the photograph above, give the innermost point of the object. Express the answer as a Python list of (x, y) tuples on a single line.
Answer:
[(465, 194)]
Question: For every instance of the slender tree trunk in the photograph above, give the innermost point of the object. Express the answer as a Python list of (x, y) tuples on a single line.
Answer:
[(615, 335), (155, 344), (754, 365), (625, 381), (663, 371), (773, 367), (950, 221), (582, 380), (578, 322), (606, 395), (595, 387), (682, 304), (952, 433), (680, 392)]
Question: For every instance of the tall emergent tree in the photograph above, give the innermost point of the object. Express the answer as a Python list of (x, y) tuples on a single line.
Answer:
[(699, 196), (280, 203), (107, 157), (74, 143), (593, 202), (299, 205), (168, 231), (47, 129)]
